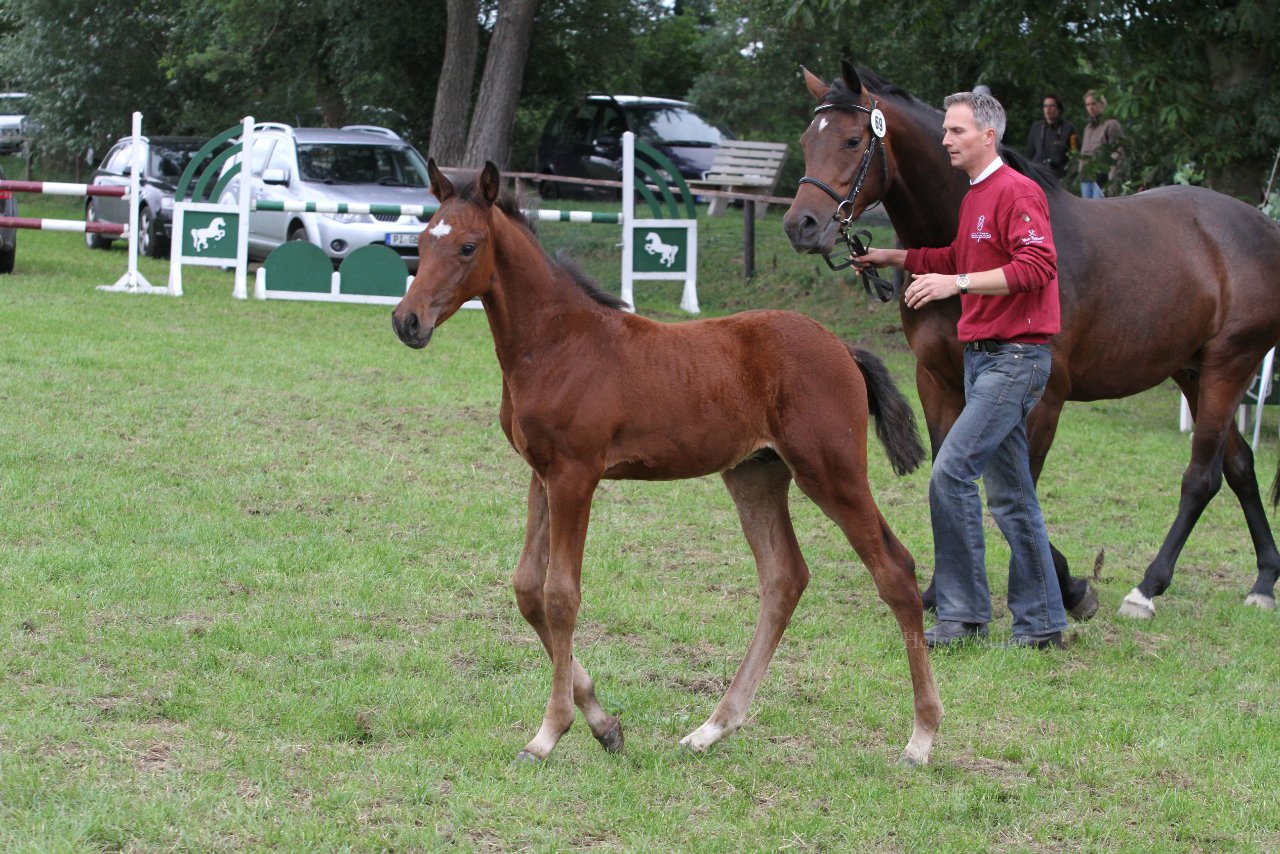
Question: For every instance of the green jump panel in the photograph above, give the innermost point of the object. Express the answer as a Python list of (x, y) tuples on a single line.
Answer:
[(299, 266), (373, 271)]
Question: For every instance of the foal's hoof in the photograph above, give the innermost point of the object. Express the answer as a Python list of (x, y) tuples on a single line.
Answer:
[(1261, 600), (524, 757), (1137, 606), (612, 740), (906, 760), (1084, 610)]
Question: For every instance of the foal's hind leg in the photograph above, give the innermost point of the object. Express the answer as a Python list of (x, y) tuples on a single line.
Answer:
[(759, 490), (844, 495), (530, 578)]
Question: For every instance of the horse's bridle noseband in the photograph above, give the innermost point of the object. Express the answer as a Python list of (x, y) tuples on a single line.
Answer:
[(853, 240)]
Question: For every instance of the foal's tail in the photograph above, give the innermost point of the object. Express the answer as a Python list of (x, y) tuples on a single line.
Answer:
[(895, 420)]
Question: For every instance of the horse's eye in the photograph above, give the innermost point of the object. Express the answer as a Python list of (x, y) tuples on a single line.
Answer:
[(467, 250), (853, 142)]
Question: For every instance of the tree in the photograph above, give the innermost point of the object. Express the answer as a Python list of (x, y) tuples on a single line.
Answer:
[(457, 75), (494, 117)]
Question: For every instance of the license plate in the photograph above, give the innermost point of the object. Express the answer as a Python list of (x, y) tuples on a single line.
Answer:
[(402, 239)]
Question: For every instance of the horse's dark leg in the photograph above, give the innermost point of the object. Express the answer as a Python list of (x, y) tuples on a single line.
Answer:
[(759, 489), (1243, 480), (530, 583), (842, 491), (1078, 596), (1241, 477), (1214, 410)]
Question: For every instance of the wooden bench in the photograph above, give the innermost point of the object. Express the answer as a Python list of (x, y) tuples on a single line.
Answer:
[(744, 167)]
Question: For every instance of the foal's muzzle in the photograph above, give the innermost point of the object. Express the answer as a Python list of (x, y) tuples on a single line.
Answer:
[(410, 330)]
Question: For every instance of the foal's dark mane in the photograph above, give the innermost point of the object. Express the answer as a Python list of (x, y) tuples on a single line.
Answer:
[(561, 263), (931, 117)]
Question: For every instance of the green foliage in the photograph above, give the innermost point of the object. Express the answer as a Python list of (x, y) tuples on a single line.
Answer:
[(1191, 80)]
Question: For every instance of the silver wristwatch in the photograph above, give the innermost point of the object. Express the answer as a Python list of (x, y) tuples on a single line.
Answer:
[(962, 282)]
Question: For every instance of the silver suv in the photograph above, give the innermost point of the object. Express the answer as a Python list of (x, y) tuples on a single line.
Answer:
[(356, 164)]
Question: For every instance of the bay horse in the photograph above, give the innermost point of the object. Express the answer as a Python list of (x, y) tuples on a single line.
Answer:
[(1178, 282), (590, 391)]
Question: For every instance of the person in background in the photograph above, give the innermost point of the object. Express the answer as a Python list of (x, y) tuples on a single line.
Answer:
[(1003, 267), (1053, 139), (1099, 143)]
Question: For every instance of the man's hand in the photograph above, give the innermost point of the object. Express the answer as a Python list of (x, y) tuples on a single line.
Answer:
[(881, 258), (928, 287)]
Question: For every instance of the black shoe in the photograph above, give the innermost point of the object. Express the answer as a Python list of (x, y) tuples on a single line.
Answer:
[(1053, 640), (951, 632)]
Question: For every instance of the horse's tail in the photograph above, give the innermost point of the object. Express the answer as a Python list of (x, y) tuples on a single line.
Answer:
[(895, 420)]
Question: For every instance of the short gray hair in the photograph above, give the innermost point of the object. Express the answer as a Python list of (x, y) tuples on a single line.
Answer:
[(986, 110)]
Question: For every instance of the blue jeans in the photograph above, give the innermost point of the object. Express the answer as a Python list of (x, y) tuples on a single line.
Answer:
[(1091, 190), (989, 440)]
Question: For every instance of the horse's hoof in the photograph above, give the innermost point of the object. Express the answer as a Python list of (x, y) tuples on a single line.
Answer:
[(906, 760), (524, 757), (1261, 600), (1137, 606), (612, 740), (1084, 610)]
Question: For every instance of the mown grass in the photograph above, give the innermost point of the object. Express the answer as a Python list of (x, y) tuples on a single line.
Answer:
[(255, 571)]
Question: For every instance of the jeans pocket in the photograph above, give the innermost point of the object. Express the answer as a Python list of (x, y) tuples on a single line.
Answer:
[(1039, 381)]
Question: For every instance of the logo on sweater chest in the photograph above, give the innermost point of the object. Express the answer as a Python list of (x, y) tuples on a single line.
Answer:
[(981, 233)]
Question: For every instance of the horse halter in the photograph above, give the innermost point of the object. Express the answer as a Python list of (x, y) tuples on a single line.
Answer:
[(853, 240)]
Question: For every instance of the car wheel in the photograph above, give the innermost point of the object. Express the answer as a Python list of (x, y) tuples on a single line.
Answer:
[(8, 256), (92, 239), (549, 190), (298, 231), (148, 238)]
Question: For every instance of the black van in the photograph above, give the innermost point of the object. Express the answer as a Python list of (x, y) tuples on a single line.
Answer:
[(584, 140)]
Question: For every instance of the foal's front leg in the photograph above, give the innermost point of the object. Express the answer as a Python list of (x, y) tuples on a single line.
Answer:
[(530, 578), (548, 587)]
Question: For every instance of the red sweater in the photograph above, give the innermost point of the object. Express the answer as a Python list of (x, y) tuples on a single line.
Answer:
[(1004, 222)]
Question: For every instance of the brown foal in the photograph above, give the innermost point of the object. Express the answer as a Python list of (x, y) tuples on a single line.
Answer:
[(590, 392)]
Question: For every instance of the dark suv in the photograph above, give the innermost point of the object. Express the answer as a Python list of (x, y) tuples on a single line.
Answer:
[(164, 160), (584, 140)]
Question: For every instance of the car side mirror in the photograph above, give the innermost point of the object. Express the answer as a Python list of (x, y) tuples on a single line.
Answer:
[(127, 170), (275, 176), (606, 142)]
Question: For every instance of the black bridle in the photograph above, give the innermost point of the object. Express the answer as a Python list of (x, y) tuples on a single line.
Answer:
[(874, 284)]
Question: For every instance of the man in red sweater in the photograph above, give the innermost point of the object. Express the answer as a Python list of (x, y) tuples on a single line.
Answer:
[(1004, 268)]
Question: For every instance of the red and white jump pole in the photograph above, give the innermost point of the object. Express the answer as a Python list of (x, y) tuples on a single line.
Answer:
[(132, 281)]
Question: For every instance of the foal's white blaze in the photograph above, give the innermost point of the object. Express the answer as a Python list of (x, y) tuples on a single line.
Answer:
[(440, 229)]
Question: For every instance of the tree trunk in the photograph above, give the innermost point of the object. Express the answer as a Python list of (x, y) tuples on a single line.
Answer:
[(453, 93), (495, 114)]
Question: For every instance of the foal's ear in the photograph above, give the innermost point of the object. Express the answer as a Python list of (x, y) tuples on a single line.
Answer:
[(814, 83), (490, 179), (441, 187), (849, 75)]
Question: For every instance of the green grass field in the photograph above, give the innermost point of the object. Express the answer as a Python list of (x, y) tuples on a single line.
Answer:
[(255, 571)]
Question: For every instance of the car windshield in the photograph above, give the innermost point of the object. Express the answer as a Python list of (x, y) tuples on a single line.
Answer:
[(674, 125), (335, 163), (13, 103), (169, 160)]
